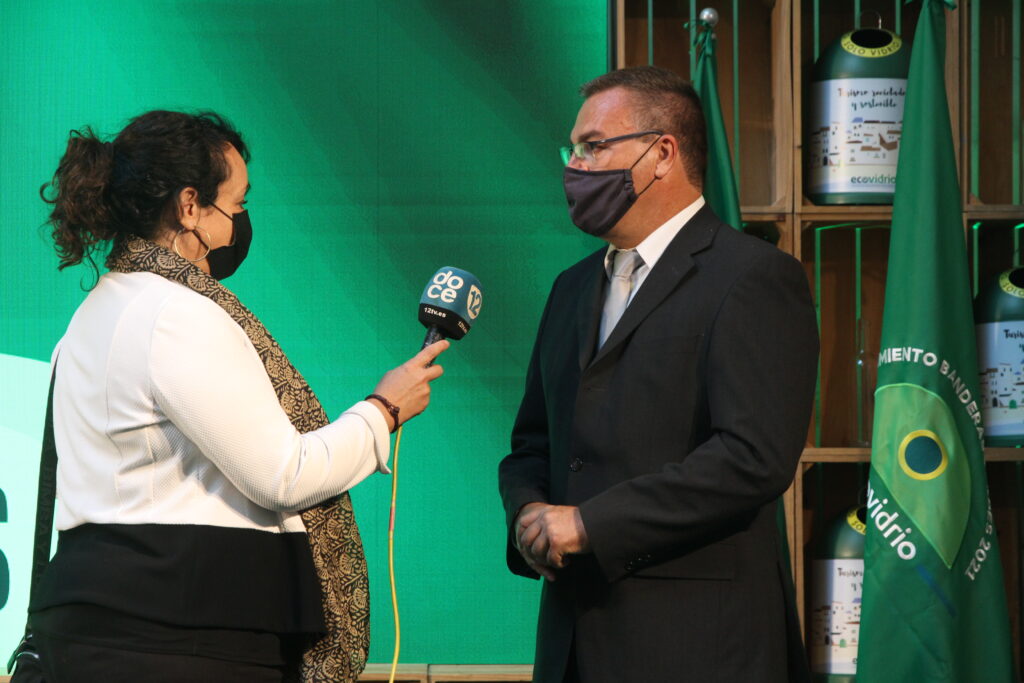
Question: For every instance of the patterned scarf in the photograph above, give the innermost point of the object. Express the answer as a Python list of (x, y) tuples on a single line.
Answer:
[(331, 526)]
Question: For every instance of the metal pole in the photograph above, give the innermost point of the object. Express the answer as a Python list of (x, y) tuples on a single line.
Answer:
[(975, 90), (817, 30), (1015, 97), (650, 32), (736, 92), (693, 31)]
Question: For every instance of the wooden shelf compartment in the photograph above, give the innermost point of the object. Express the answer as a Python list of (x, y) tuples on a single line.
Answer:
[(981, 212), (821, 494), (771, 213), (986, 98), (819, 24), (993, 246), (851, 289), (812, 455), (825, 213), (760, 87), (845, 263), (778, 232)]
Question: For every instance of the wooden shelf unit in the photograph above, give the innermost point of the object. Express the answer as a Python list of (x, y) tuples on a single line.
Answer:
[(775, 64)]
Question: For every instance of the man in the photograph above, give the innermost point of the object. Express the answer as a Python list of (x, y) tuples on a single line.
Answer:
[(666, 406)]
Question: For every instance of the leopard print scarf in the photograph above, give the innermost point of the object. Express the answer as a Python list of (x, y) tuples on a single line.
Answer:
[(334, 540)]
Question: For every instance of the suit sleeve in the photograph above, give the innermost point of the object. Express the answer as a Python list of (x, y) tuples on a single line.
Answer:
[(523, 475), (760, 374)]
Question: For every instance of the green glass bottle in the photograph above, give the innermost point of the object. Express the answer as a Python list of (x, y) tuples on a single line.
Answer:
[(999, 324), (837, 584), (855, 118)]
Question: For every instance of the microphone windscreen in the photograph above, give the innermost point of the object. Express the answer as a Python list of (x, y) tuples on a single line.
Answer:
[(451, 301)]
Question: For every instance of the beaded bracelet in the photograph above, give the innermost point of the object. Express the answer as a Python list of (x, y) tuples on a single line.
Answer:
[(389, 406)]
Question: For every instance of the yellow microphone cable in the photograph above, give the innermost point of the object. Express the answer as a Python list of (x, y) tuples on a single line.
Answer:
[(450, 303), (391, 555)]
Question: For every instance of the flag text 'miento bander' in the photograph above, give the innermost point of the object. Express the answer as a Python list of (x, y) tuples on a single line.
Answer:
[(910, 354)]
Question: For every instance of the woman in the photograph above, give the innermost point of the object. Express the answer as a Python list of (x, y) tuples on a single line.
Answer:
[(188, 444)]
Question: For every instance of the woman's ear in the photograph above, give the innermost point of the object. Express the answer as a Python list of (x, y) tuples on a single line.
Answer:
[(188, 208)]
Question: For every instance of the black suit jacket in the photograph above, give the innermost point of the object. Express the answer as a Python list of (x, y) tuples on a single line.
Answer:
[(675, 439)]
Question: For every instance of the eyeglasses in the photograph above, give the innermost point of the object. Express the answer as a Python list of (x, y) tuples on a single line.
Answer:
[(585, 150)]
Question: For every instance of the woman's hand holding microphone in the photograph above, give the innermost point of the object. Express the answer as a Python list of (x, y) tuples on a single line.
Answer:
[(404, 392)]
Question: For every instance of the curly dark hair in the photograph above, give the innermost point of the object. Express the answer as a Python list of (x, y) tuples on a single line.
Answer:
[(104, 192), (665, 101)]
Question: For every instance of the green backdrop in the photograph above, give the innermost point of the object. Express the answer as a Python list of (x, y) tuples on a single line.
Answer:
[(389, 138)]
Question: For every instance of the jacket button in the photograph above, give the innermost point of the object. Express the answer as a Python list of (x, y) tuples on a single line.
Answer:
[(576, 465)]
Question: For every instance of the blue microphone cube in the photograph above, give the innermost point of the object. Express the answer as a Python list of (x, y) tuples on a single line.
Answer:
[(451, 301)]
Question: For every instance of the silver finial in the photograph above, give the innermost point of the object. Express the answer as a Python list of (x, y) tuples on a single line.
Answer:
[(709, 16)]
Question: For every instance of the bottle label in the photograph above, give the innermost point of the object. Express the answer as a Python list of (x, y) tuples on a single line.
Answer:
[(853, 134), (836, 590), (1001, 361)]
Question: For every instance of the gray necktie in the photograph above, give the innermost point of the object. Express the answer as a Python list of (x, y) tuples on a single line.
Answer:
[(623, 267)]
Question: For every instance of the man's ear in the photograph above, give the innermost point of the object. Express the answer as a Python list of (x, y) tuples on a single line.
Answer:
[(188, 208), (667, 151)]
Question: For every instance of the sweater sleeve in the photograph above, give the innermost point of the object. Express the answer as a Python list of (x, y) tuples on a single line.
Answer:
[(209, 381)]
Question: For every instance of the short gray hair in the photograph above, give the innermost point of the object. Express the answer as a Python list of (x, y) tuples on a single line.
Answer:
[(664, 101)]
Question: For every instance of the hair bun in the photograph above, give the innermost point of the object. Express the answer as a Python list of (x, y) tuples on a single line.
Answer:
[(81, 215)]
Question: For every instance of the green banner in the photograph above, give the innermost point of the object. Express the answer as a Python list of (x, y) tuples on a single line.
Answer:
[(719, 181), (388, 138), (720, 191), (934, 604)]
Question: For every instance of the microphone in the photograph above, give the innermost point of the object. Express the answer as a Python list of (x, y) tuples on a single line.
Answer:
[(450, 303)]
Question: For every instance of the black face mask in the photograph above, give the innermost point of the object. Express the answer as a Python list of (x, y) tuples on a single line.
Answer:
[(224, 261), (599, 199)]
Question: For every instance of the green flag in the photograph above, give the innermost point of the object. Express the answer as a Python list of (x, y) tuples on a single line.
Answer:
[(934, 605), (719, 181)]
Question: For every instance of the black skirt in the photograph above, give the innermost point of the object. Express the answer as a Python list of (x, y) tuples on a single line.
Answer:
[(85, 643)]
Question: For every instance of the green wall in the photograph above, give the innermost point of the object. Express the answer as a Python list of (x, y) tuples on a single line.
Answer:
[(389, 138)]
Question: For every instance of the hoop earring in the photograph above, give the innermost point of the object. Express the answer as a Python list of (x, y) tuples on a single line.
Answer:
[(174, 244)]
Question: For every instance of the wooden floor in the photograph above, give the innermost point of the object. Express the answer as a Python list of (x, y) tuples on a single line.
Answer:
[(450, 673), (440, 673)]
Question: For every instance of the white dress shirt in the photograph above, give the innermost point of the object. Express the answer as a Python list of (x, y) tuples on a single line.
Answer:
[(654, 245)]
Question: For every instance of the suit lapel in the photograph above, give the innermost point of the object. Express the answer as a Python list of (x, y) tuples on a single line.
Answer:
[(591, 303), (668, 272)]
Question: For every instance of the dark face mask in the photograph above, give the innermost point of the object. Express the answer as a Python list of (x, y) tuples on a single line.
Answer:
[(224, 261), (599, 199)]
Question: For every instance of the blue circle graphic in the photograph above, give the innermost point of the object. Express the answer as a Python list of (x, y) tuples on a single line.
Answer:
[(923, 455)]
